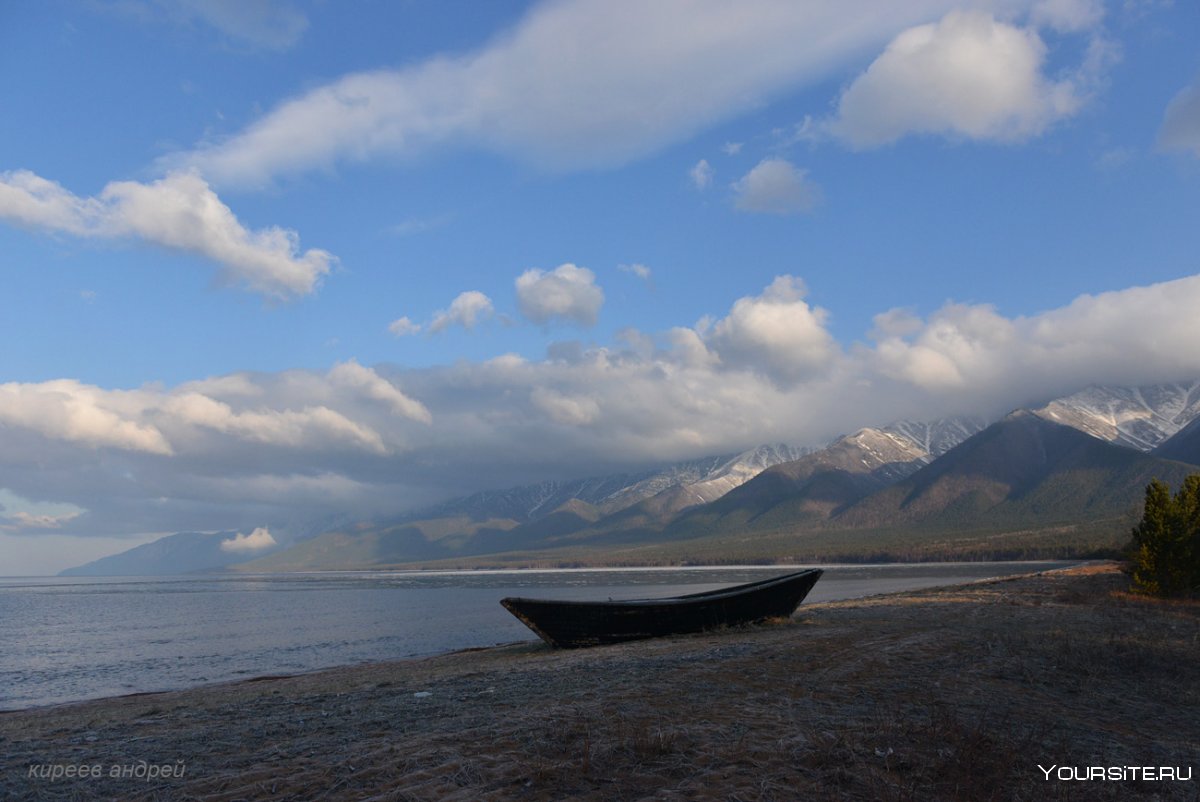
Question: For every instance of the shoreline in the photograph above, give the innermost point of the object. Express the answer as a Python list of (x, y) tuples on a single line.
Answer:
[(1066, 565), (107, 674), (373, 628), (420, 569), (970, 685)]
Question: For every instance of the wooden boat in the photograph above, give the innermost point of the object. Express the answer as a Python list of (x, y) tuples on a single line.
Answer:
[(571, 624)]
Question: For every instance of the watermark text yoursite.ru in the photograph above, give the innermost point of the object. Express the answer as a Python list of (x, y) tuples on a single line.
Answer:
[(1117, 773)]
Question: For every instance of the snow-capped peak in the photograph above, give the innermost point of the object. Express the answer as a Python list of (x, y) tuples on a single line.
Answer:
[(936, 437), (1136, 417)]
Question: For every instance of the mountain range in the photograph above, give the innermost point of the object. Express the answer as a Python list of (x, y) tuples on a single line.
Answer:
[(1065, 478)]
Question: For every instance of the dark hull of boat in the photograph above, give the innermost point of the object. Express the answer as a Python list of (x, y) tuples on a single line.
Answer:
[(572, 624)]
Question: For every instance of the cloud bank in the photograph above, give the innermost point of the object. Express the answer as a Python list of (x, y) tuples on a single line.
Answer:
[(281, 450)]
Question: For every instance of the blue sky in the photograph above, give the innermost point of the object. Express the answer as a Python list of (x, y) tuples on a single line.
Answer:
[(272, 261)]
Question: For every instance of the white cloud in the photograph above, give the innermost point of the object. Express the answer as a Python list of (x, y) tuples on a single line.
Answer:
[(179, 212), (575, 84), (775, 332), (269, 24), (321, 413), (569, 410), (31, 200), (466, 310), (776, 186), (257, 540), (1068, 16), (1115, 158), (1181, 122), (419, 225), (403, 326), (24, 521), (972, 353), (19, 514), (230, 386), (688, 348), (968, 75), (370, 384), (73, 412), (731, 148), (637, 269), (565, 293), (895, 323), (292, 428), (946, 353), (12, 503), (701, 174), (219, 453)]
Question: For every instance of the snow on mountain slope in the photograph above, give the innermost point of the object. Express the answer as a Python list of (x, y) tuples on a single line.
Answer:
[(842, 472), (680, 475), (528, 502), (889, 453), (1135, 417), (703, 479), (741, 469), (936, 437), (869, 450)]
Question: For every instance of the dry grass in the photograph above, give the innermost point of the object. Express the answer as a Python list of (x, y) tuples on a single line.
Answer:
[(951, 694)]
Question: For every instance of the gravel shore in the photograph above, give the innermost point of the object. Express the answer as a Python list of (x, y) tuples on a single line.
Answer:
[(952, 693)]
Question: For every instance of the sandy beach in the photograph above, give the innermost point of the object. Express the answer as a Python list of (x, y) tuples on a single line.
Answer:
[(969, 692)]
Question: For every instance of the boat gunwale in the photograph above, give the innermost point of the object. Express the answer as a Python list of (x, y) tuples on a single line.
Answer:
[(670, 601)]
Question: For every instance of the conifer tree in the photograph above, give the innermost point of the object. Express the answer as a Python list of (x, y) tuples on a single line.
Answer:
[(1165, 550)]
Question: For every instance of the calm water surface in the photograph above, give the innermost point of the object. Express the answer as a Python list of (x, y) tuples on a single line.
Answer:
[(66, 639)]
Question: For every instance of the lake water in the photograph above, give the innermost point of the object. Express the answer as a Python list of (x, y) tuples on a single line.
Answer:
[(66, 639)]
